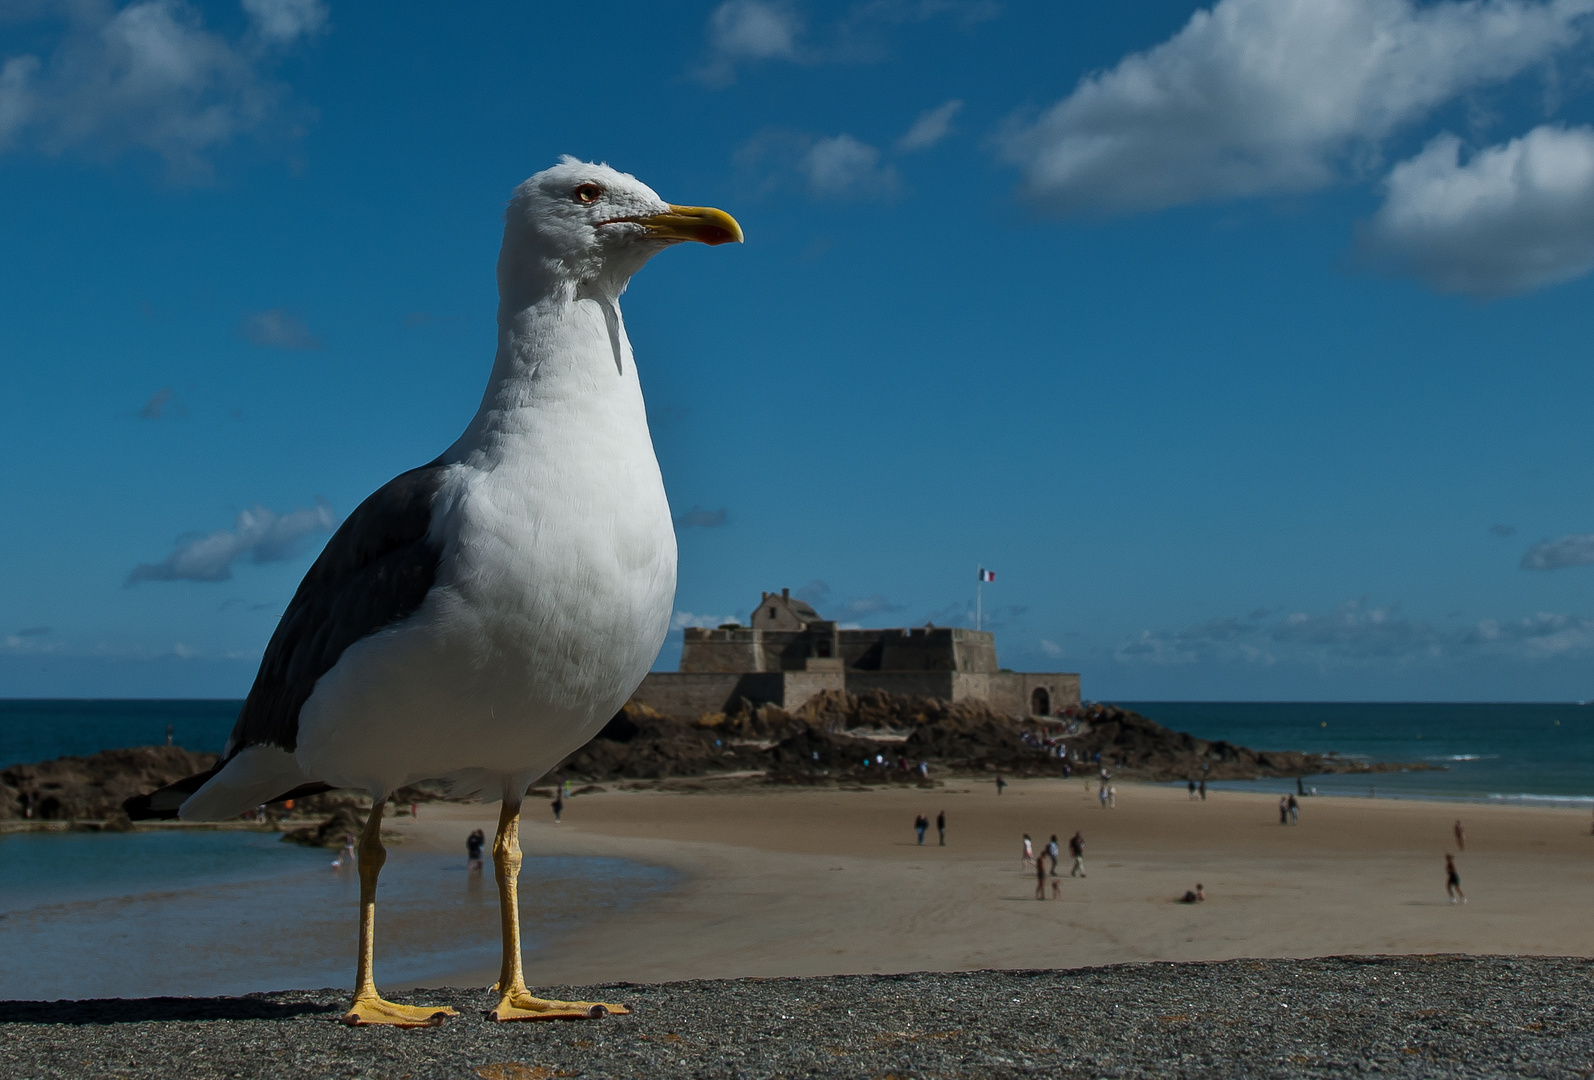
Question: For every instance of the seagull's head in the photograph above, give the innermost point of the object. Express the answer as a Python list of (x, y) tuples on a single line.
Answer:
[(580, 224)]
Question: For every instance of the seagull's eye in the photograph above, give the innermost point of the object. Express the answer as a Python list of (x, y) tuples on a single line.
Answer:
[(588, 193)]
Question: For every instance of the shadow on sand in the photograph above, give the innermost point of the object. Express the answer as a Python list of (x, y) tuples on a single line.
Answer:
[(141, 1010)]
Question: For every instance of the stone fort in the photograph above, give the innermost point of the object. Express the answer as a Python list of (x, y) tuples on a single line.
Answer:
[(787, 653)]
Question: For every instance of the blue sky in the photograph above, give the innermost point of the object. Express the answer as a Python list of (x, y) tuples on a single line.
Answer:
[(1247, 343)]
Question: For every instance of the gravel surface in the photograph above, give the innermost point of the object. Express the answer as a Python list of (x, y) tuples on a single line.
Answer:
[(1407, 1016)]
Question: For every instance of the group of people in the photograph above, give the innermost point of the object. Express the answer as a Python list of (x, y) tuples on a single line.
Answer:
[(1289, 811), (921, 824), (1050, 853)]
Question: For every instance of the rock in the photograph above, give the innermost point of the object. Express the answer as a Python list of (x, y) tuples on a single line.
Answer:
[(78, 788), (331, 833)]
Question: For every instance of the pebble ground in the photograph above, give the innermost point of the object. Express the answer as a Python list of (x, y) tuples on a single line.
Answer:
[(1416, 1016)]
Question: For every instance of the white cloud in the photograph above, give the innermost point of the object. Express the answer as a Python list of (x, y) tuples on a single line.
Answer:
[(1515, 217), (277, 328), (1051, 648), (682, 619), (1261, 96), (1574, 550), (842, 167), (282, 21), (1537, 637), (257, 533), (146, 76), (748, 30), (741, 32), (1355, 630), (931, 127)]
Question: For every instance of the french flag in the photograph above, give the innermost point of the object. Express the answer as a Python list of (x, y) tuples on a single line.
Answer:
[(987, 575)]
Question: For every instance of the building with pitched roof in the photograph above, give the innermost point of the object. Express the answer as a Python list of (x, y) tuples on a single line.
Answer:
[(788, 652)]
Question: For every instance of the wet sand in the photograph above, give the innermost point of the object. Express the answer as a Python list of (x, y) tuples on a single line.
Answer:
[(822, 882)]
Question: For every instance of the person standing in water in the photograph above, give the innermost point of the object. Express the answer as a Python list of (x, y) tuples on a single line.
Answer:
[(1453, 880), (473, 851)]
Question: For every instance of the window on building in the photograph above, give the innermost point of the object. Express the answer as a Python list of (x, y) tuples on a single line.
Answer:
[(771, 613), (822, 647), (1040, 702)]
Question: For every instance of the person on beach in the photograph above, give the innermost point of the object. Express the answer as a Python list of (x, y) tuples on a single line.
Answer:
[(1284, 810), (1192, 791), (920, 824), (558, 805), (1461, 836), (1076, 848), (1295, 811), (1194, 896), (1029, 853), (1000, 784), (346, 856), (1112, 795), (1040, 879), (473, 851), (1051, 853), (1453, 880), (940, 826), (1202, 787)]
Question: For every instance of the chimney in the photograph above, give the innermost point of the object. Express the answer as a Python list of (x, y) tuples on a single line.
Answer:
[(785, 594)]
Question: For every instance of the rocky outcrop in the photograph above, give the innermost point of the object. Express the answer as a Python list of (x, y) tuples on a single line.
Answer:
[(77, 788), (841, 736)]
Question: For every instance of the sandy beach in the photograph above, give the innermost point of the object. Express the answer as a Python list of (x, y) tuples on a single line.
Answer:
[(820, 882)]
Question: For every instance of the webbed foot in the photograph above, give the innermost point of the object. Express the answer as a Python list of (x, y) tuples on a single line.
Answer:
[(375, 1010), (521, 1005)]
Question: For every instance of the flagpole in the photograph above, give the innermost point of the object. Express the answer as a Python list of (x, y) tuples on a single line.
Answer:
[(979, 584)]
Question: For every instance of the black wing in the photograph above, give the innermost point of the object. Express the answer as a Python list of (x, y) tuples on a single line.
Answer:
[(374, 572)]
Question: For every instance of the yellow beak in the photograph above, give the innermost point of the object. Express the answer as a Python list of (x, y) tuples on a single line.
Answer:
[(704, 224)]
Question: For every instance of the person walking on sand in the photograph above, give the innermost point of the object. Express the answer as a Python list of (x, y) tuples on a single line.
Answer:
[(558, 805), (1284, 810), (1192, 791), (920, 824), (1040, 879), (1112, 796), (1051, 853), (1101, 794), (1202, 787), (1000, 784), (1076, 848), (1029, 853), (1295, 811), (1461, 836), (1453, 880), (940, 826)]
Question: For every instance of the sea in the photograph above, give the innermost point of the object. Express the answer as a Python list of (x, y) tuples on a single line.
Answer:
[(225, 912), (209, 912)]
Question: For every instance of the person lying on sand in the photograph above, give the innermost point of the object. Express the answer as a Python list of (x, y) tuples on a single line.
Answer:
[(1194, 896)]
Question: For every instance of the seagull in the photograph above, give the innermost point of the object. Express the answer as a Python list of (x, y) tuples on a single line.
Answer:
[(478, 618)]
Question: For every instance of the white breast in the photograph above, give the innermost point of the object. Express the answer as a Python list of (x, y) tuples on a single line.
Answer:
[(553, 595)]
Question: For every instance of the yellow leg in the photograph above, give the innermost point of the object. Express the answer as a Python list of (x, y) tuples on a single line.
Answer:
[(515, 1001), (369, 1007)]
